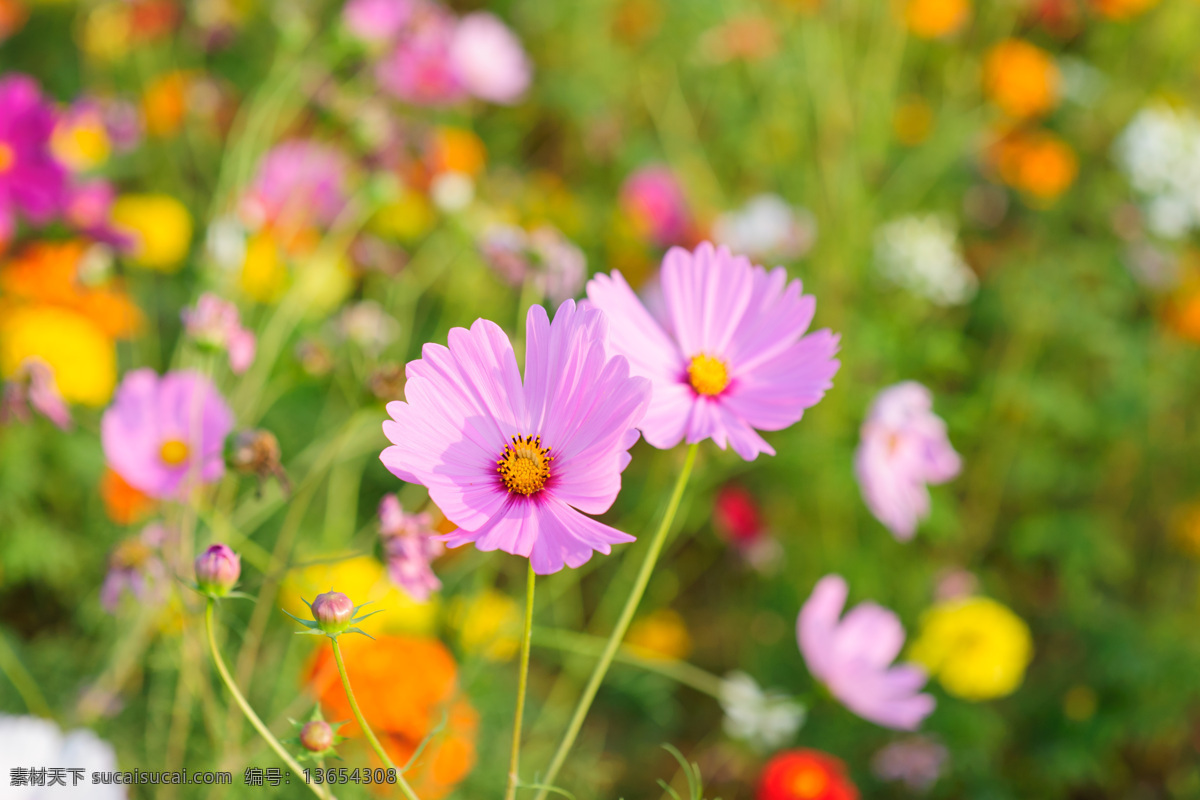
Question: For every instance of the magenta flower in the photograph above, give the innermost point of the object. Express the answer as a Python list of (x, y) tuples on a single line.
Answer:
[(419, 69), (728, 357), (853, 657), (215, 323), (654, 200), (165, 435), (136, 567), (411, 545), (514, 463), (489, 59), (32, 385), (375, 21), (217, 570), (903, 447), (300, 184), (32, 182)]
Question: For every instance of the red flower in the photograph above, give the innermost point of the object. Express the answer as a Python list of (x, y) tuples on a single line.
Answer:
[(805, 775), (737, 516)]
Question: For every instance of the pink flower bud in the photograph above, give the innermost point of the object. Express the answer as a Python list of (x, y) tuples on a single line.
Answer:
[(333, 611), (317, 736), (217, 570)]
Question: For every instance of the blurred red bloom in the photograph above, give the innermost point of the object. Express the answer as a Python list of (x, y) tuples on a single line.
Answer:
[(737, 516), (803, 774)]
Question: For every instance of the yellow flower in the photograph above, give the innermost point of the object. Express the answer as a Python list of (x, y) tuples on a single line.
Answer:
[(912, 121), (1021, 78), (977, 648), (81, 143), (264, 277), (931, 19), (106, 32), (83, 357), (662, 635), (489, 623), (164, 103), (161, 226), (407, 219), (363, 579)]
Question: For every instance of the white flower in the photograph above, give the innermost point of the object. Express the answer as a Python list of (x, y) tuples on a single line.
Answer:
[(32, 743), (452, 191), (1159, 152), (367, 325), (921, 254), (765, 720), (766, 226)]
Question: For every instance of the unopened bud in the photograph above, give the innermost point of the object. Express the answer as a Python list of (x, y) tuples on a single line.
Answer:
[(217, 570), (333, 612), (316, 736)]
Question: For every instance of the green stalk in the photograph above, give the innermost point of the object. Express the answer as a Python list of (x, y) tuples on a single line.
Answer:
[(618, 634), (522, 685), (262, 729), (362, 723)]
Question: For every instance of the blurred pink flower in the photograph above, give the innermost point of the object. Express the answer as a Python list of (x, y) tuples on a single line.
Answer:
[(730, 355), (655, 202), (215, 323), (32, 182), (517, 464), (163, 435), (300, 184), (489, 59), (903, 447), (419, 69), (410, 546), (555, 265), (136, 567), (853, 657), (33, 385), (375, 21), (916, 761)]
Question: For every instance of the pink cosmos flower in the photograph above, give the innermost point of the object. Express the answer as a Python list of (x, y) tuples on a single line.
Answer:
[(375, 21), (410, 544), (300, 184), (489, 59), (136, 567), (728, 356), (419, 69), (517, 464), (853, 656), (903, 447), (655, 202), (544, 256), (32, 182), (215, 322), (916, 761), (33, 385), (164, 435)]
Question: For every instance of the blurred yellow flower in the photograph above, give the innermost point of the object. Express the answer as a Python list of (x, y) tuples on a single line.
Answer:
[(931, 19), (488, 623), (1021, 79), (362, 579), (80, 141), (322, 280), (1185, 528), (661, 634), (407, 218), (264, 276), (164, 103), (912, 121), (1123, 9), (107, 31), (977, 648), (161, 227), (83, 357)]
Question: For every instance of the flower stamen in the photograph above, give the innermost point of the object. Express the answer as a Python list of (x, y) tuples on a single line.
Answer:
[(173, 452), (524, 465), (7, 158), (708, 375)]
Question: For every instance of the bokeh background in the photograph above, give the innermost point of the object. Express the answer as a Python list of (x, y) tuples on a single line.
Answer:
[(999, 200)]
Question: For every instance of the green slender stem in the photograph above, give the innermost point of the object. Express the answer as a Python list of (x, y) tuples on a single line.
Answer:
[(366, 729), (12, 668), (262, 729), (522, 684), (618, 634)]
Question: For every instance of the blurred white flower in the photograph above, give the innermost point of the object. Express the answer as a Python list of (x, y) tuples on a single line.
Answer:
[(921, 254), (552, 261), (767, 227), (452, 191), (1159, 152), (368, 326), (765, 720), (28, 743), (226, 243)]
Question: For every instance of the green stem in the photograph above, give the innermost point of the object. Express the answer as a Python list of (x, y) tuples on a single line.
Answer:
[(522, 684), (618, 634), (366, 729), (12, 668), (262, 729)]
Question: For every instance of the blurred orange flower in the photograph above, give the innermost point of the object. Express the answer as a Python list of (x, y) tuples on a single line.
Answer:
[(931, 19), (12, 17), (457, 150), (662, 634), (1182, 313), (405, 687), (1037, 163), (164, 103), (1021, 78), (1123, 9), (124, 504)]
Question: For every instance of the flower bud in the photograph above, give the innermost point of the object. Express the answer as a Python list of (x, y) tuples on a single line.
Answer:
[(317, 735), (217, 570), (333, 612)]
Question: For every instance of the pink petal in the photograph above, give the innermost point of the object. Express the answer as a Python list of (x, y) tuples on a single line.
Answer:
[(816, 626), (706, 293)]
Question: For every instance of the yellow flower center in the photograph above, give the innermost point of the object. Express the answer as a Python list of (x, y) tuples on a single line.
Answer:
[(7, 158), (173, 452), (809, 782), (708, 375), (525, 465)]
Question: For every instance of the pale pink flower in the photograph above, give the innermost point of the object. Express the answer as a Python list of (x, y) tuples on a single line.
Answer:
[(33, 385), (915, 761), (903, 447), (419, 70), (489, 59), (136, 567), (410, 544), (853, 657), (655, 201), (214, 322), (375, 21), (728, 357)]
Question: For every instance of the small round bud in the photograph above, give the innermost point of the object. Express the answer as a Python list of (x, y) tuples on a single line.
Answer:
[(333, 612), (217, 570), (316, 736)]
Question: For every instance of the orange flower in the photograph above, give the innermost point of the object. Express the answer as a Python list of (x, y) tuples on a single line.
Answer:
[(1182, 314), (805, 775), (405, 687), (1123, 9), (457, 150), (1021, 79), (12, 17), (164, 103), (931, 19), (124, 504), (1037, 163)]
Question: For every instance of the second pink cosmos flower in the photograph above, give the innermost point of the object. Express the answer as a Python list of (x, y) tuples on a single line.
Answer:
[(518, 464)]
